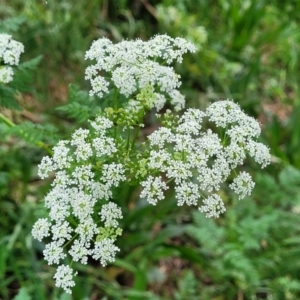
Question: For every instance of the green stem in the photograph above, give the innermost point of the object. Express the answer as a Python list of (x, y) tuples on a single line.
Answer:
[(12, 124), (116, 104), (168, 181), (136, 132), (72, 239), (116, 98), (7, 121), (128, 140)]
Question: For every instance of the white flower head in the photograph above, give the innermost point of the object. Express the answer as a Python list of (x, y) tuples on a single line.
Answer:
[(134, 65), (191, 121), (201, 160), (54, 252), (178, 170), (113, 174), (235, 154), (105, 251), (62, 179), (160, 137), (83, 175), (187, 192), (110, 213), (64, 278), (41, 229), (82, 204), (153, 189), (159, 101), (259, 152), (101, 124), (209, 179), (62, 231), (223, 112), (213, 206), (80, 251), (99, 85), (10, 50), (177, 99), (87, 229), (159, 160), (209, 143), (242, 185), (6, 74), (100, 190), (61, 155), (104, 146), (45, 167)]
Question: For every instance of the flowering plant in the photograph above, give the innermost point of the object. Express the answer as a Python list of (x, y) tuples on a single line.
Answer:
[(15, 77), (194, 152), (10, 51)]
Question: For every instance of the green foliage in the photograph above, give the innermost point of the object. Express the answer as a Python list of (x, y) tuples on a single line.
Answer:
[(22, 78), (22, 295), (34, 133), (187, 287), (238, 59), (248, 50), (249, 246), (283, 137), (24, 74), (80, 106), (7, 98), (11, 24)]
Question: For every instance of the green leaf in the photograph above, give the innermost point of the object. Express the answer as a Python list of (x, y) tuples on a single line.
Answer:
[(7, 97), (80, 105), (206, 232), (76, 111), (34, 133), (134, 294), (24, 74), (125, 265), (64, 296), (137, 215), (30, 64), (290, 177), (12, 24), (23, 295), (4, 253), (168, 232), (188, 254), (187, 287), (140, 277)]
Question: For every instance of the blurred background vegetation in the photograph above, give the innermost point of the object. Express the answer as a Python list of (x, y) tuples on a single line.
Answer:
[(249, 51)]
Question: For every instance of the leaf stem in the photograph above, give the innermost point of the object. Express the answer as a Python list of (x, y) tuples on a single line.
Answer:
[(7, 121)]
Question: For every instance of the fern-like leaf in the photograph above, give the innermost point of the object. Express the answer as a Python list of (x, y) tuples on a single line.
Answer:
[(11, 24), (24, 74), (7, 97), (34, 133), (79, 106)]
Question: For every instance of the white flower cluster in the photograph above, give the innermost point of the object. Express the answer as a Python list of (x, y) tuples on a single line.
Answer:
[(134, 68), (199, 161), (77, 195), (92, 164), (10, 51)]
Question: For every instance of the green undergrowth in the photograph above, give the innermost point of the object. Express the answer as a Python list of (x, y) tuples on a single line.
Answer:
[(247, 51)]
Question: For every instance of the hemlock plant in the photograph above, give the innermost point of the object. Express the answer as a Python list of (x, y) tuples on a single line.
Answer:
[(10, 51), (184, 153)]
